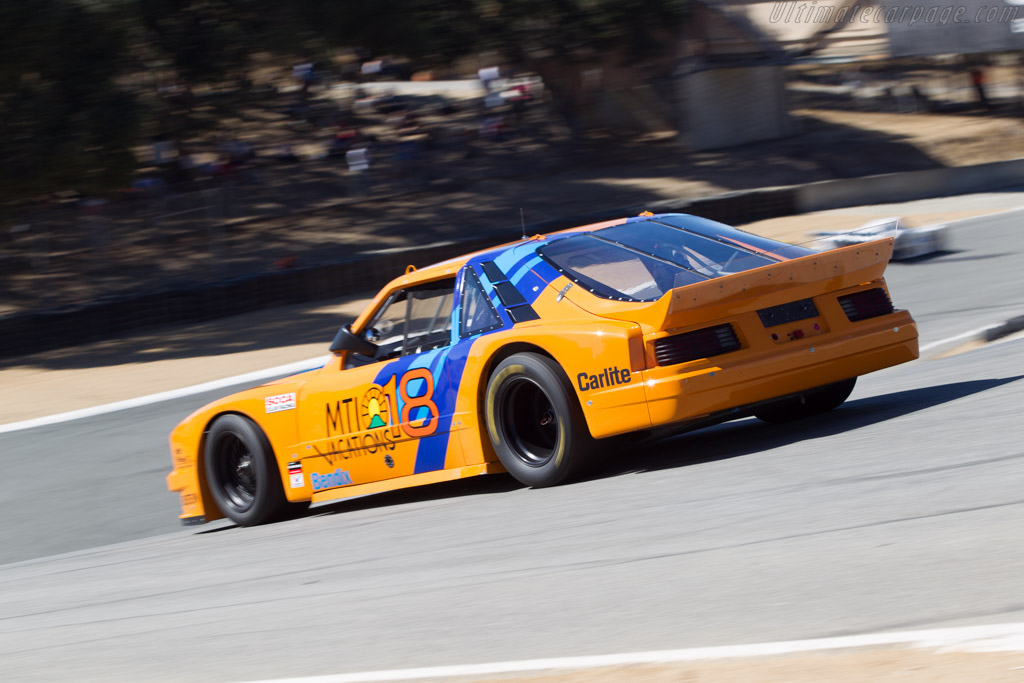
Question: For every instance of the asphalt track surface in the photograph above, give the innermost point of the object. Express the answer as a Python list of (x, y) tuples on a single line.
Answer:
[(901, 510), (980, 282)]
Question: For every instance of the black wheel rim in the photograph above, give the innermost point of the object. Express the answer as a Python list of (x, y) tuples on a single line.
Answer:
[(529, 421), (236, 473)]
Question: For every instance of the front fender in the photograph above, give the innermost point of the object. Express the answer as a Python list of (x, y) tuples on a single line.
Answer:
[(187, 441)]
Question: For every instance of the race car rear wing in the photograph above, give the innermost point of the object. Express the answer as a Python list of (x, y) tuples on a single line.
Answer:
[(798, 278)]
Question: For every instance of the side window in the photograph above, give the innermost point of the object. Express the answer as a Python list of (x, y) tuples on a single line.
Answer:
[(411, 321), (429, 318), (478, 313)]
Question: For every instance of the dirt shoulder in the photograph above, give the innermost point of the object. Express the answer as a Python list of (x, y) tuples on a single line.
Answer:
[(160, 360), (858, 666)]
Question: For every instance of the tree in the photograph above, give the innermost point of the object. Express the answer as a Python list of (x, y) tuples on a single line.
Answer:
[(206, 41), (69, 116), (559, 39), (64, 119)]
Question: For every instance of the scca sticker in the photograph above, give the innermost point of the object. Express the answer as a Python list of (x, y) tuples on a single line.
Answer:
[(275, 404)]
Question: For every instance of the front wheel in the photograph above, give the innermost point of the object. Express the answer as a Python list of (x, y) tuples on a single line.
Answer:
[(534, 422), (242, 473), (811, 402)]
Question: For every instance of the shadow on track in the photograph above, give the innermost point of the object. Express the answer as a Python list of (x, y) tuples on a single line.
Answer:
[(750, 435), (460, 488), (923, 258), (949, 257), (720, 442), (473, 486)]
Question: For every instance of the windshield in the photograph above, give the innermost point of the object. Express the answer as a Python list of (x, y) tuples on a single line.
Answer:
[(641, 261)]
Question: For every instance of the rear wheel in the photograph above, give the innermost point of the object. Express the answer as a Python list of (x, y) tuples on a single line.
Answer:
[(811, 402), (534, 422), (242, 472)]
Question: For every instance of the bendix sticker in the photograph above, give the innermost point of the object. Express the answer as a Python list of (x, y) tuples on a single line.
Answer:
[(275, 404)]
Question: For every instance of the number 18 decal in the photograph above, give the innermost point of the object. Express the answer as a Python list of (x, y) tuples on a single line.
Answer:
[(413, 405)]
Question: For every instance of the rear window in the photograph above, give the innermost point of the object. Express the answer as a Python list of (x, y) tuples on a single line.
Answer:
[(735, 236), (702, 255), (641, 261), (614, 272)]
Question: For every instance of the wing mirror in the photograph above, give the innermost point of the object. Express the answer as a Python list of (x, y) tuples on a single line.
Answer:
[(347, 340)]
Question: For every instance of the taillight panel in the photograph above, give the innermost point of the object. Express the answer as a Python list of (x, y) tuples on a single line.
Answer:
[(865, 304), (704, 343)]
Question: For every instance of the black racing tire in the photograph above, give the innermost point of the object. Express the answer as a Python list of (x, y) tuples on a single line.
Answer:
[(242, 473), (810, 403), (535, 423)]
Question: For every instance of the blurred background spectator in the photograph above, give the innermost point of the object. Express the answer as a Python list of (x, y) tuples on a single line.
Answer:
[(224, 120)]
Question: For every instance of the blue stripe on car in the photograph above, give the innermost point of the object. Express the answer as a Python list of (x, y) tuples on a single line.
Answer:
[(530, 275)]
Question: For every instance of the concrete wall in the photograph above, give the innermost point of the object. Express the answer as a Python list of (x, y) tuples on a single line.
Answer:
[(732, 106), (900, 187), (641, 108), (935, 27)]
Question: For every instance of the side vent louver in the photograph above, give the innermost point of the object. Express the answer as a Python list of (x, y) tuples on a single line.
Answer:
[(511, 298)]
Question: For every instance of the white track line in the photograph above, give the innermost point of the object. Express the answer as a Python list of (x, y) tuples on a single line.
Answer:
[(977, 332), (988, 638), (254, 376)]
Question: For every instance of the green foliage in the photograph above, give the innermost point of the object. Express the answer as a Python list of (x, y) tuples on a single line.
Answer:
[(205, 41), (64, 121), (577, 29), (437, 31), (69, 120)]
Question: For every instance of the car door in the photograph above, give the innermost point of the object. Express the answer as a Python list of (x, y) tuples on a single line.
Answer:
[(363, 419)]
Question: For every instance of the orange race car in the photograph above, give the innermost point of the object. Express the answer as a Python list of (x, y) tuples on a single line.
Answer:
[(527, 357)]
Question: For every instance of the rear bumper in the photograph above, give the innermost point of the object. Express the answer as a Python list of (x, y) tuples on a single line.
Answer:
[(693, 390)]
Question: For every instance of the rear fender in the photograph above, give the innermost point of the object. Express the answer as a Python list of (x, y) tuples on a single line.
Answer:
[(602, 360)]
